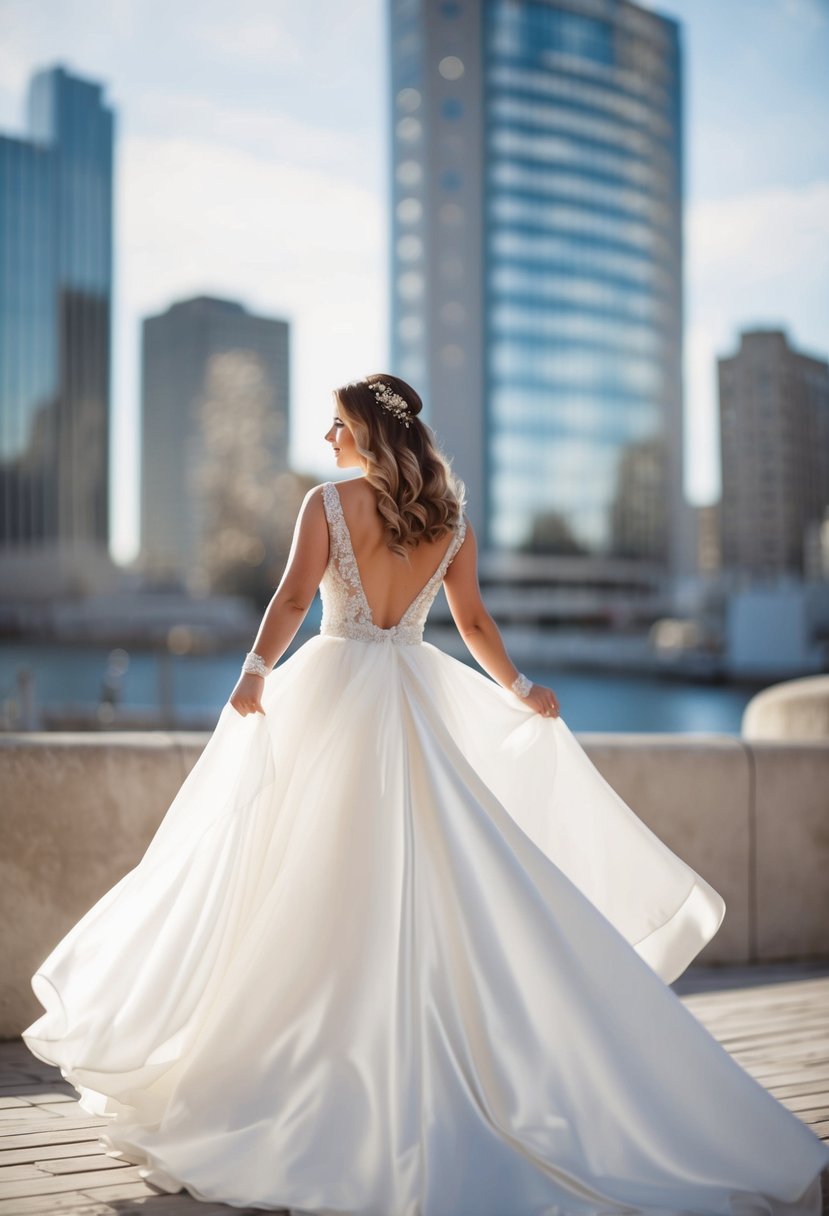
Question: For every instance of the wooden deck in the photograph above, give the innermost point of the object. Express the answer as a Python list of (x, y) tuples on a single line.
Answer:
[(774, 1020)]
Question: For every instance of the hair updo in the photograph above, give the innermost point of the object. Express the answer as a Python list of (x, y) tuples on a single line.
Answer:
[(418, 495)]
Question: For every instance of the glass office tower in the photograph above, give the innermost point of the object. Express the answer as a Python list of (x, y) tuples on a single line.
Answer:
[(55, 302), (537, 264)]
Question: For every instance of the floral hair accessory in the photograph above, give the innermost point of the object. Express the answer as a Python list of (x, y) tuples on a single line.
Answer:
[(391, 401)]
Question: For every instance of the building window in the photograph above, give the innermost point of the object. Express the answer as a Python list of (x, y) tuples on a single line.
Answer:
[(409, 172), (408, 129), (408, 100), (409, 210), (536, 31), (451, 67)]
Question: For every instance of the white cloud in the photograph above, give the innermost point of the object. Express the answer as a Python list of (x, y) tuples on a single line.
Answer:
[(757, 260), (253, 37), (210, 202), (765, 235), (14, 77), (265, 133), (16, 42)]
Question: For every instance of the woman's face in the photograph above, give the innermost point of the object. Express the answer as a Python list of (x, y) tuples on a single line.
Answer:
[(342, 442)]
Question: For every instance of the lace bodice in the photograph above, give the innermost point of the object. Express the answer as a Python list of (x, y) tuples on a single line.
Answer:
[(345, 609)]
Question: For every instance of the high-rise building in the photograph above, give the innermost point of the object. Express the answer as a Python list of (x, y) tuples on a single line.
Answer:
[(536, 266), (215, 415), (55, 322), (774, 449)]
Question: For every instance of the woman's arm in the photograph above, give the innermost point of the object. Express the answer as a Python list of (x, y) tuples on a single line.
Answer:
[(291, 600), (478, 629)]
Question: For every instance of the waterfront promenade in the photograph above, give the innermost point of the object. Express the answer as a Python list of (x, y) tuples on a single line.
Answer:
[(773, 1019), (750, 816)]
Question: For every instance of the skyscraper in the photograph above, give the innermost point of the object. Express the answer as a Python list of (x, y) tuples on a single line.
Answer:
[(537, 265), (55, 321), (214, 434), (774, 448)]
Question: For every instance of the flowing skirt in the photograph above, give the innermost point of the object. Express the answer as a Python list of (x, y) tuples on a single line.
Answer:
[(398, 949)]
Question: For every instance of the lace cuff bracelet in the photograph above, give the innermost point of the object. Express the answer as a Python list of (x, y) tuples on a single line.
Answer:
[(254, 664), (521, 686)]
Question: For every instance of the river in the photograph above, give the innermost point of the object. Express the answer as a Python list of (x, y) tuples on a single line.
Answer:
[(196, 688)]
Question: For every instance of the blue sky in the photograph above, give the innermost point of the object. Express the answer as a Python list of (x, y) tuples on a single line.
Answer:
[(252, 157)]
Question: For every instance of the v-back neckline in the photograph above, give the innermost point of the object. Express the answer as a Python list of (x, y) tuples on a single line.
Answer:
[(366, 605)]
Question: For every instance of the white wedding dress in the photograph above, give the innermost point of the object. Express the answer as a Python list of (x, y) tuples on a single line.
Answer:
[(398, 949)]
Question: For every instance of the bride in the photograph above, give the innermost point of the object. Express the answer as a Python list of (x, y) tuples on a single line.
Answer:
[(396, 948)]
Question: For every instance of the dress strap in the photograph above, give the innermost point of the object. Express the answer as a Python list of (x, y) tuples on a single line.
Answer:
[(454, 546), (333, 513)]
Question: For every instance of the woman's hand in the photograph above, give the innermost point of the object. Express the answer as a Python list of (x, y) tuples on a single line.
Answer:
[(543, 700), (246, 697)]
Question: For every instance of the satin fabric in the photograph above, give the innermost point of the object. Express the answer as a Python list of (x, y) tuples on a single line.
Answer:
[(397, 949)]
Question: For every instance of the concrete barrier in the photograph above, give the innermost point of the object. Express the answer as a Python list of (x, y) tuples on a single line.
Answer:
[(78, 811)]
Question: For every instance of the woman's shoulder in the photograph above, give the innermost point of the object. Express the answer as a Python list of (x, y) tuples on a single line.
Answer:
[(353, 495), (317, 503), (322, 490)]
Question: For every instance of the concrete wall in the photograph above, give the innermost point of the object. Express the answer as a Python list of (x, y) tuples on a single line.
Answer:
[(752, 817)]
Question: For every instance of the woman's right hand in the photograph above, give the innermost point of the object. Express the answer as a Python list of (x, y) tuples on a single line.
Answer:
[(543, 700), (246, 697)]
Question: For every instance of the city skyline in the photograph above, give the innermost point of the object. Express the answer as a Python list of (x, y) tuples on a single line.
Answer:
[(218, 150)]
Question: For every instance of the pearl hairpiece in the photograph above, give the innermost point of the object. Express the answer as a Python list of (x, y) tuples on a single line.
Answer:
[(391, 401)]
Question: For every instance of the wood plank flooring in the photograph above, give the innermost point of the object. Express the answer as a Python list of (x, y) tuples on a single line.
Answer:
[(773, 1020)]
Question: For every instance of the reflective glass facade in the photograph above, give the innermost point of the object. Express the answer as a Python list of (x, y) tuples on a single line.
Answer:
[(583, 276), (576, 327), (55, 304)]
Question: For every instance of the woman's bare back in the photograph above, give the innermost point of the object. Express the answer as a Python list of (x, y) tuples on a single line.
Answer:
[(390, 582)]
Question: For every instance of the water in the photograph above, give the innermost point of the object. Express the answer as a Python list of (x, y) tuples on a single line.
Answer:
[(199, 687), (595, 701)]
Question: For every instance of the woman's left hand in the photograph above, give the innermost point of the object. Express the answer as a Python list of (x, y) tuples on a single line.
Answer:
[(246, 697)]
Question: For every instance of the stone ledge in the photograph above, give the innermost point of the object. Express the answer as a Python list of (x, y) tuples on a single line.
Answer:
[(752, 817)]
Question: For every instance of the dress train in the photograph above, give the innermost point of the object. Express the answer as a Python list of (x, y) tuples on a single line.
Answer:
[(398, 949)]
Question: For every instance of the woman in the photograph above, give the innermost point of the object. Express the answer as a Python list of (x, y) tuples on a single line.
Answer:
[(397, 948)]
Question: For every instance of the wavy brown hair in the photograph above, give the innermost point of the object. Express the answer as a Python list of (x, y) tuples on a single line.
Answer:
[(418, 495)]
